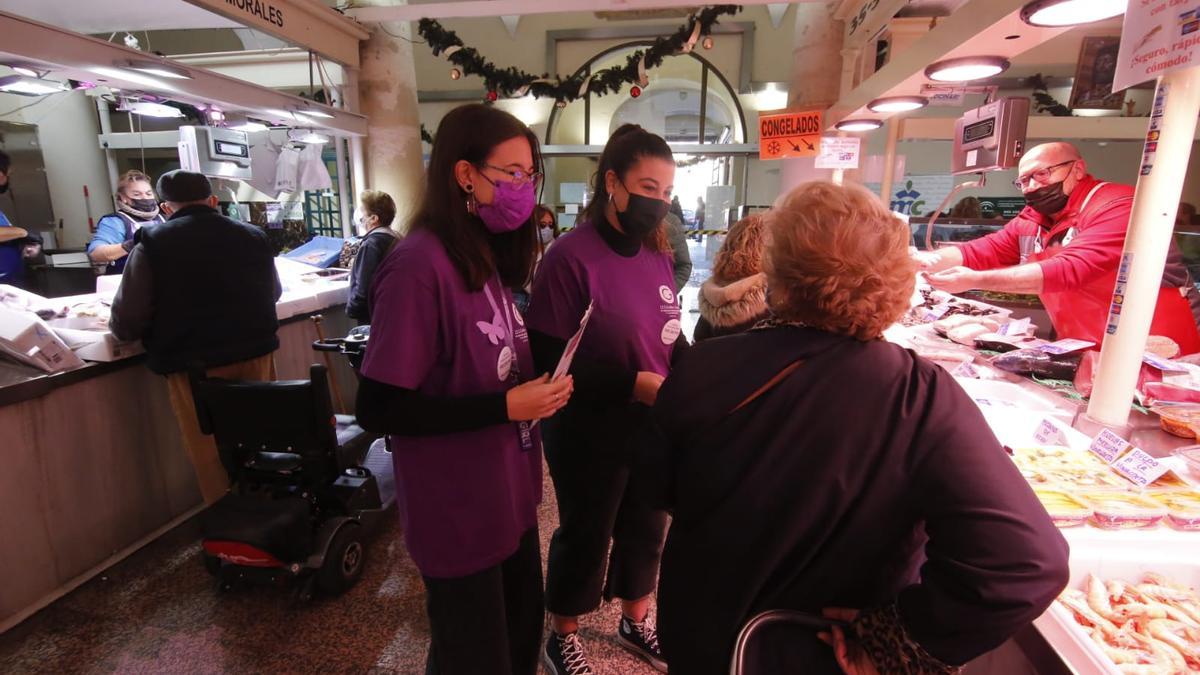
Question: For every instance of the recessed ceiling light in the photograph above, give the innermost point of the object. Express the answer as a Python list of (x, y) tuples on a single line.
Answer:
[(160, 68), (309, 136), (858, 125), (24, 70), (30, 86), (1057, 13), (966, 68), (133, 76), (892, 104), (150, 109)]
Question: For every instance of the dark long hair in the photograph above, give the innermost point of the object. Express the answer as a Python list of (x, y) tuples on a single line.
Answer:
[(627, 146), (470, 133)]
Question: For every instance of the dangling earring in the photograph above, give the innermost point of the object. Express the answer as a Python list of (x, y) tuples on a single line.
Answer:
[(470, 190)]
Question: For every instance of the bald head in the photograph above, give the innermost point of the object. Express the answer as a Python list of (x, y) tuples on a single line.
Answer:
[(1049, 154), (1051, 163)]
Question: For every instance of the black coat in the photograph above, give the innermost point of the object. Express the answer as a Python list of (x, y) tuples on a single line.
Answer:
[(373, 248), (820, 492), (199, 290)]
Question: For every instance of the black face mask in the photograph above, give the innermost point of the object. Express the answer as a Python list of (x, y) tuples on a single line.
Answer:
[(1047, 200), (144, 205), (641, 215), (4, 188)]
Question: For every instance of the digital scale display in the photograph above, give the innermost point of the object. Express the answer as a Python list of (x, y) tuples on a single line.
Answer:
[(978, 130), (231, 149)]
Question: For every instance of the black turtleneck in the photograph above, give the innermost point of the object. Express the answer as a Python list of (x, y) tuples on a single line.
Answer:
[(621, 243), (596, 382)]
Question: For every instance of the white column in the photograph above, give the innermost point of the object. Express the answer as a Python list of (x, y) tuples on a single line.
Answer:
[(1150, 230), (817, 53), (894, 126), (387, 85)]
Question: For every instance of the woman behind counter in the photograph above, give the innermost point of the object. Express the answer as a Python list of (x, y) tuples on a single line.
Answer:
[(449, 375), (137, 207), (811, 466), (618, 262)]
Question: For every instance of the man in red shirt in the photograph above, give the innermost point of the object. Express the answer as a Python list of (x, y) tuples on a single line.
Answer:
[(1066, 247)]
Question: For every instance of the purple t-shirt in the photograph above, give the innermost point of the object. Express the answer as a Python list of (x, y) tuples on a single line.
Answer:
[(635, 319), (466, 498)]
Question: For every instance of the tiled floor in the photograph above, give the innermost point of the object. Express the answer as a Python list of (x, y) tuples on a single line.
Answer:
[(160, 612)]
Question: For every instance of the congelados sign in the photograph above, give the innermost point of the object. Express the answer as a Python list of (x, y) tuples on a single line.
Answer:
[(790, 134), (263, 10)]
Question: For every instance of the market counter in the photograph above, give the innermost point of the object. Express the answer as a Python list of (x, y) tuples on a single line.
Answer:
[(94, 467)]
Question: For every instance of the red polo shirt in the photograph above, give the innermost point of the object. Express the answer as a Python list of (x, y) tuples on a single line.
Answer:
[(1079, 251)]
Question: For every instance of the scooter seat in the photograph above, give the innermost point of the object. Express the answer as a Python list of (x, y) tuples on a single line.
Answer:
[(275, 462)]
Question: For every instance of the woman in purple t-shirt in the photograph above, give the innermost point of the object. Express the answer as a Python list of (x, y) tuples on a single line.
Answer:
[(450, 377), (617, 262)]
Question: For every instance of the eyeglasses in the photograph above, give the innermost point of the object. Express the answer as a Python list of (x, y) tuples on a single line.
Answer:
[(1040, 175), (518, 177)]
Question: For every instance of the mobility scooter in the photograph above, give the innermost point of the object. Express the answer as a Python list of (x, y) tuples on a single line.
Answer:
[(308, 486)]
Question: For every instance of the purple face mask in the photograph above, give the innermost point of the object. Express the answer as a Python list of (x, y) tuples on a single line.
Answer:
[(510, 208)]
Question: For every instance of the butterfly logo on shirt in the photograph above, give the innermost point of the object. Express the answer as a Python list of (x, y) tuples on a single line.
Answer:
[(493, 330)]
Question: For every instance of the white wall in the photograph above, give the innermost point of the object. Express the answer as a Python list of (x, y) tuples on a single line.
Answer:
[(67, 129)]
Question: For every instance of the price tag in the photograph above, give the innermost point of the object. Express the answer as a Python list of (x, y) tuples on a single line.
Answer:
[(1020, 327), (1048, 433), (1165, 365), (1108, 446), (1139, 467), (966, 369), (1066, 346), (936, 312)]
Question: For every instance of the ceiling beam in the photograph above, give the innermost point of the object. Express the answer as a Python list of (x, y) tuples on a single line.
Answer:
[(493, 8), (79, 57), (304, 23), (978, 28)]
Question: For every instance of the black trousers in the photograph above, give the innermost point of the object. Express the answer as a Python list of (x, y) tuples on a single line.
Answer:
[(490, 622), (589, 454)]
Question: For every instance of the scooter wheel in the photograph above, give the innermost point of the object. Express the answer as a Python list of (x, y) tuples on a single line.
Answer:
[(212, 563), (345, 561)]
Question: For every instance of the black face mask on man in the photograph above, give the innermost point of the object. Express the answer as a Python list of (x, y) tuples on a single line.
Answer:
[(641, 215), (1048, 199)]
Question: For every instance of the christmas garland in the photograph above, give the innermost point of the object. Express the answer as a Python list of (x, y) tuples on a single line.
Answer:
[(1044, 102), (513, 82)]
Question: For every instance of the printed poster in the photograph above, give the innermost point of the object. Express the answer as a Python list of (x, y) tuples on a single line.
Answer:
[(1158, 36)]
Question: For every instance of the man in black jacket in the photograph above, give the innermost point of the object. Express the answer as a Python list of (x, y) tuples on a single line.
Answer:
[(199, 290)]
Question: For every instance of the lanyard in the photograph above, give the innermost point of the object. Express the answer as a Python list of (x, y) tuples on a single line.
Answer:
[(524, 429)]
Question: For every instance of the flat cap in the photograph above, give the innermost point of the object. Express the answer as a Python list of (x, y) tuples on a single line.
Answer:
[(181, 187)]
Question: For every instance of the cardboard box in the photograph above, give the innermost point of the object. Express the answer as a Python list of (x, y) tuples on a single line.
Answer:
[(27, 339)]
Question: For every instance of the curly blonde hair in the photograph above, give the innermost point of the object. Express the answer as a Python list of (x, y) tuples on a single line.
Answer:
[(741, 253), (838, 260)]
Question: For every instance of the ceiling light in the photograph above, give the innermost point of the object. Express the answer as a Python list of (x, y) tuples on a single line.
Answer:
[(772, 97), (313, 112), (1057, 13), (150, 109), (239, 122), (895, 104), (858, 125), (25, 70), (289, 115), (30, 86), (310, 137), (966, 68), (160, 68), (131, 76)]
